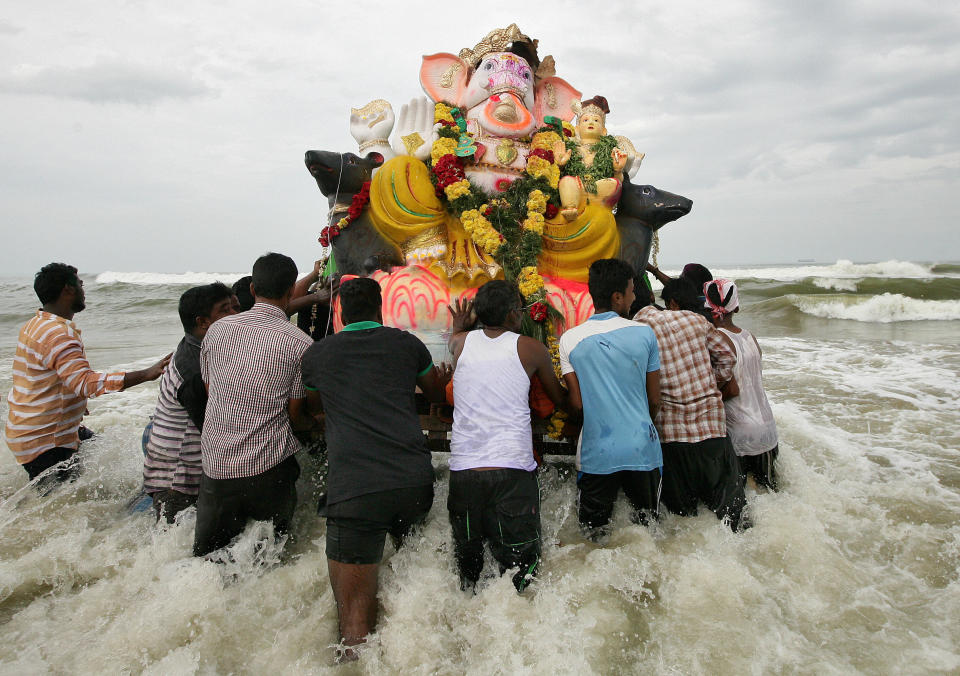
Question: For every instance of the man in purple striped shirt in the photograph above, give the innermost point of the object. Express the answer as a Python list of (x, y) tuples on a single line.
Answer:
[(251, 365), (171, 462)]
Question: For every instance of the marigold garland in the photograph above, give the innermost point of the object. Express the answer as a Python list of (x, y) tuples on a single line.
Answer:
[(441, 113), (442, 146), (556, 425), (480, 230), (537, 202), (457, 190), (529, 281), (508, 227)]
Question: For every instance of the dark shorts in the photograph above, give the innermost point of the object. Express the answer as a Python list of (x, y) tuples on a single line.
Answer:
[(762, 467), (47, 459), (167, 504), (225, 505), (357, 528), (596, 494), (705, 471), (502, 508)]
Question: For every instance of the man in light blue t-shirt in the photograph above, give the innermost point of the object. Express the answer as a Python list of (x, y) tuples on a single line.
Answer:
[(611, 366)]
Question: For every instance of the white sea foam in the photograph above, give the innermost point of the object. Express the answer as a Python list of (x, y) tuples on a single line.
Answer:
[(885, 308), (156, 278), (842, 269), (836, 284), (852, 568)]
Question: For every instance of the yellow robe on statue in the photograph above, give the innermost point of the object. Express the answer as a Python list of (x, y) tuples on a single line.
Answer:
[(405, 209)]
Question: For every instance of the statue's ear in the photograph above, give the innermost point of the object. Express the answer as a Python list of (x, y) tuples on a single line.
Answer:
[(554, 96), (444, 77)]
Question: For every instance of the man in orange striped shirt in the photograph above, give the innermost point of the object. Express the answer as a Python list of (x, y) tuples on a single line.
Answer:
[(52, 378)]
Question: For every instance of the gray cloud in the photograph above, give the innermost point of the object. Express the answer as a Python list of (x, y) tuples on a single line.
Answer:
[(7, 28), (108, 82), (791, 125)]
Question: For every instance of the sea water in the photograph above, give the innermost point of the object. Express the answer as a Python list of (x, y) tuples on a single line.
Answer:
[(851, 568)]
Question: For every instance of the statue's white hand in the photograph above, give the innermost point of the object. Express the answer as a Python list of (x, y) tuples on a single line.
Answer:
[(371, 123), (634, 158), (415, 134)]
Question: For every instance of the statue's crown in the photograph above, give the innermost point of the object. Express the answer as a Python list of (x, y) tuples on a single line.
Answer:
[(498, 40), (597, 105)]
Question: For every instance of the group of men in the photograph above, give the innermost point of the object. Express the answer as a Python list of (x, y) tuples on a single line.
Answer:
[(241, 384)]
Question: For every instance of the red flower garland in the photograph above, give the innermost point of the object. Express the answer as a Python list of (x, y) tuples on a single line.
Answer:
[(538, 311), (448, 170), (543, 153), (359, 201)]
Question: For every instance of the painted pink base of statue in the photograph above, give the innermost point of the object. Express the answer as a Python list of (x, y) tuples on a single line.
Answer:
[(414, 298)]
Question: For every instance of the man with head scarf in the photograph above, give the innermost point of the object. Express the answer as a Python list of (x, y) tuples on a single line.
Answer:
[(750, 423)]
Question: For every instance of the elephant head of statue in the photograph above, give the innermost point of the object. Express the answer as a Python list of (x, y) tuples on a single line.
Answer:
[(500, 83)]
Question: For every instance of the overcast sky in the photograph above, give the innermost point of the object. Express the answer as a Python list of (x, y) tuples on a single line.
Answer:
[(169, 136)]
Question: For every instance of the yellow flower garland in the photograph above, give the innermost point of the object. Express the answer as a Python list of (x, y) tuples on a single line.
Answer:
[(545, 140), (441, 113), (539, 167), (555, 427), (442, 146), (480, 230), (458, 189), (537, 202), (529, 281), (534, 222)]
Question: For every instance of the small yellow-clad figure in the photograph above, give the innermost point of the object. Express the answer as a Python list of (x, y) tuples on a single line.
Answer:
[(591, 162)]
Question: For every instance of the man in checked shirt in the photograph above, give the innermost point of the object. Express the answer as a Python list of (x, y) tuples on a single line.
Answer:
[(696, 363), (251, 365)]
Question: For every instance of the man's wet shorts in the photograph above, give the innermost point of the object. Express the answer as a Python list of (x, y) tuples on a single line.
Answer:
[(357, 528)]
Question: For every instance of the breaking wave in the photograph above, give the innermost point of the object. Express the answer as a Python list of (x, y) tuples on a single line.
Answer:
[(842, 269), (168, 278), (885, 308)]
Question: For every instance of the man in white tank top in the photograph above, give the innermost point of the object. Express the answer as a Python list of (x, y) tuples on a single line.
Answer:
[(494, 493), (750, 423)]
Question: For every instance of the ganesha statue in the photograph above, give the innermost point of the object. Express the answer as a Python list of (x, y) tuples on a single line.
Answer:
[(502, 171)]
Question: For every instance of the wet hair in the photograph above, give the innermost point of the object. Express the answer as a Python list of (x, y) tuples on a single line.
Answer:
[(273, 275), (495, 300), (241, 287), (51, 280), (643, 294), (697, 275), (360, 300), (199, 302), (683, 293), (608, 276)]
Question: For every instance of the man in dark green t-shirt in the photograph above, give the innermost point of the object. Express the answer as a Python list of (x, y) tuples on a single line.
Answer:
[(380, 478)]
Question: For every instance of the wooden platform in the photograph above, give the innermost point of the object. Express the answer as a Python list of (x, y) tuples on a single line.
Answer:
[(438, 422)]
